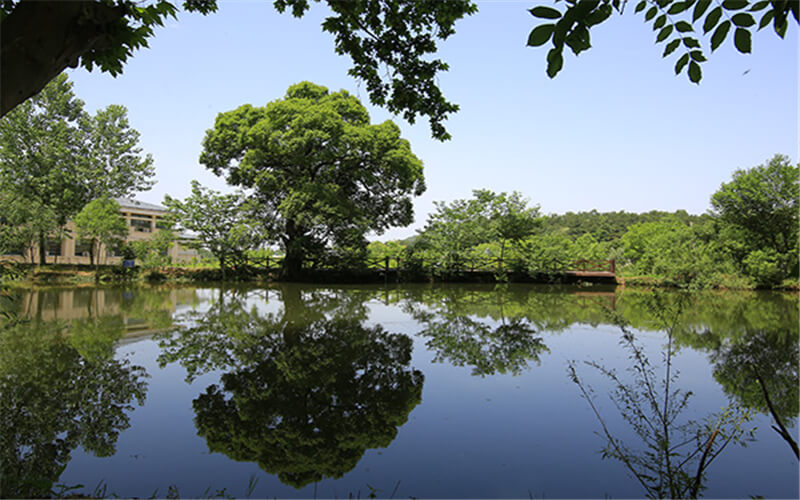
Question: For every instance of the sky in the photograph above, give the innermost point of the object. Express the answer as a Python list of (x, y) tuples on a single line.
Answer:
[(615, 130)]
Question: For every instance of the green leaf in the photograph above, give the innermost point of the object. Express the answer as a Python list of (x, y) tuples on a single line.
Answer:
[(780, 29), (700, 9), (640, 6), (742, 41), (554, 62), (540, 35), (683, 27), (691, 43), (695, 73), (664, 33), (545, 12), (697, 55), (712, 19), (743, 20), (682, 62), (719, 35), (735, 4), (660, 22), (671, 46), (598, 15), (651, 13), (759, 6), (766, 18), (678, 7)]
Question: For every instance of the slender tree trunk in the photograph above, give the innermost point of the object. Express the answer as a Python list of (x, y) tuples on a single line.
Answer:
[(42, 249), (91, 251), (222, 265)]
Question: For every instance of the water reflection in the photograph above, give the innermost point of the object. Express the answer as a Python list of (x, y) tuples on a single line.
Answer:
[(302, 380), (304, 394), (674, 452), (464, 329), (56, 394)]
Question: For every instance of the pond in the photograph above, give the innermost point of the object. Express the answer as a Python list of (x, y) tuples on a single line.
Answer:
[(399, 391)]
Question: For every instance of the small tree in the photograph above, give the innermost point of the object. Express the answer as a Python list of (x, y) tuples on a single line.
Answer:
[(224, 224), (100, 222)]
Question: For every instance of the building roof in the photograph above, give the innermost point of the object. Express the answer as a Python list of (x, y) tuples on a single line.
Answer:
[(129, 203)]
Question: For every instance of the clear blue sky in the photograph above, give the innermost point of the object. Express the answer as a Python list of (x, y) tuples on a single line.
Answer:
[(616, 130)]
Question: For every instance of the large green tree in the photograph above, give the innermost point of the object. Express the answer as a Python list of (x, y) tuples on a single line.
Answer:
[(320, 171), (761, 205), (59, 157)]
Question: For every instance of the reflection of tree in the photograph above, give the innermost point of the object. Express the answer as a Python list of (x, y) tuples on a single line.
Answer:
[(760, 371), (303, 396), (677, 452), (52, 400), (458, 332)]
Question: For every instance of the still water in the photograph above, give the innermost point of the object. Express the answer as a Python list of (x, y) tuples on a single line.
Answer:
[(422, 391)]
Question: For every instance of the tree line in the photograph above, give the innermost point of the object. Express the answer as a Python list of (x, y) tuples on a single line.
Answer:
[(314, 177)]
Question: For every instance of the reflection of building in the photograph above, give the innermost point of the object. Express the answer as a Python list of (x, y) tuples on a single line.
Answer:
[(144, 220), (141, 312)]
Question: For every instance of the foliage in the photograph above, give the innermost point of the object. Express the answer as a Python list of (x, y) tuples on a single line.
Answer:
[(58, 158), (765, 267), (762, 204), (225, 224), (677, 23), (22, 222), (101, 222), (760, 371), (303, 395), (678, 451), (463, 336), (455, 228), (321, 174), (389, 43), (153, 253), (52, 400)]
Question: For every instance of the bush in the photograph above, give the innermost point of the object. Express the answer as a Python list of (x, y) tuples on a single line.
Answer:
[(764, 266)]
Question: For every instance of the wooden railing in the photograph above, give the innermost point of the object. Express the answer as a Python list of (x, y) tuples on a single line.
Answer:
[(471, 265)]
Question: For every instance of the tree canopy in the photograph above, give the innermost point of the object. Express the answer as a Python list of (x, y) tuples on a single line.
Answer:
[(320, 172), (223, 223), (763, 201), (56, 156), (677, 23), (388, 42), (101, 222)]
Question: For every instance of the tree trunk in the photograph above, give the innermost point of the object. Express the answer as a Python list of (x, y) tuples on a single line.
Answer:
[(42, 249), (40, 39), (292, 266), (222, 265), (91, 252)]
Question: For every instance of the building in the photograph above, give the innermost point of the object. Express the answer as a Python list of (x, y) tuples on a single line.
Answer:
[(144, 220)]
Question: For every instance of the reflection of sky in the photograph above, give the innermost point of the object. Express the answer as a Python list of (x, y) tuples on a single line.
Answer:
[(494, 436)]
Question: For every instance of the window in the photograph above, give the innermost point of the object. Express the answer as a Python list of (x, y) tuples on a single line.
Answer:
[(53, 247), (15, 250), (162, 224), (141, 225), (83, 248)]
